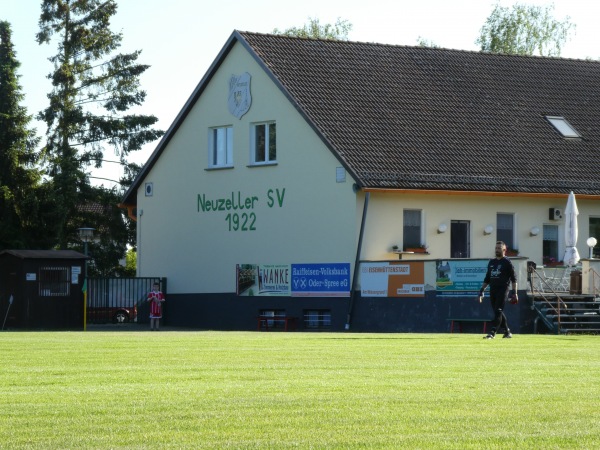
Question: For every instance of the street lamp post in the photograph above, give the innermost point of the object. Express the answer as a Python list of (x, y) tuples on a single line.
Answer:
[(86, 235)]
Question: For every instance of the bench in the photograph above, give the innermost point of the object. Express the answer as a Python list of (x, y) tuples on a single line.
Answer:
[(289, 323), (461, 321)]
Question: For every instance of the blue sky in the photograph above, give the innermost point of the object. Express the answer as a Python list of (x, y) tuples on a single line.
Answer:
[(180, 39)]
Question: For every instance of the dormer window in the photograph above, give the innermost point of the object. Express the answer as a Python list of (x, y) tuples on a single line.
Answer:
[(563, 127)]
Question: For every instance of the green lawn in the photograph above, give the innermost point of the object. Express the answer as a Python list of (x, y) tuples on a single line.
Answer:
[(297, 390)]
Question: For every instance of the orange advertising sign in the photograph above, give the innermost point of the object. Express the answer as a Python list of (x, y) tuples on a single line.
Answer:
[(393, 279)]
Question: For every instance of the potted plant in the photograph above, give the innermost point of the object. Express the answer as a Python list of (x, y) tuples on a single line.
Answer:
[(395, 248), (549, 261), (512, 252)]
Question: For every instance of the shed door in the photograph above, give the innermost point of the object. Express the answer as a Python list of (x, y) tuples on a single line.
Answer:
[(460, 244)]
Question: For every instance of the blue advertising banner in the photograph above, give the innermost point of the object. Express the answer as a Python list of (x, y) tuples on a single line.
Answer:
[(321, 280)]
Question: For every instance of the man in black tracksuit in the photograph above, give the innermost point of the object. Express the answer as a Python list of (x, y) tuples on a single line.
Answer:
[(500, 273)]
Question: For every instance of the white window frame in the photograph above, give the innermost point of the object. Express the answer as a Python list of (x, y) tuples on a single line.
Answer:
[(220, 147), (253, 150), (563, 126), (421, 228)]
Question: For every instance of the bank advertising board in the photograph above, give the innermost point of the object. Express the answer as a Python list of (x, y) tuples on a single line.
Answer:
[(295, 280)]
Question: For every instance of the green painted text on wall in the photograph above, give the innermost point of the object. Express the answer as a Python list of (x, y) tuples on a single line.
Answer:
[(240, 218)]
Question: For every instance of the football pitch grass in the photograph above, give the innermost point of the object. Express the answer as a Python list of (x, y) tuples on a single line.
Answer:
[(243, 390)]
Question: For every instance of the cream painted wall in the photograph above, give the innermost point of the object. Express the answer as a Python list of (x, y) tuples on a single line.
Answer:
[(195, 250), (385, 222)]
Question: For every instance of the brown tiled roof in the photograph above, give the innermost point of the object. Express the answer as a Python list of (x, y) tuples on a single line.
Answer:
[(95, 208), (402, 117), (44, 254), (425, 118)]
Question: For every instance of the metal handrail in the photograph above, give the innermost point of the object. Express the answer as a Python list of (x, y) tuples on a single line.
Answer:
[(536, 293), (595, 277)]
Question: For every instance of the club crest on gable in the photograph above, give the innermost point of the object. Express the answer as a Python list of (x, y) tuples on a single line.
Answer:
[(239, 100)]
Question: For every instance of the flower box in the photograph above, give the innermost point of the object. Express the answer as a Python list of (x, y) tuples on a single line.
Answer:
[(416, 249)]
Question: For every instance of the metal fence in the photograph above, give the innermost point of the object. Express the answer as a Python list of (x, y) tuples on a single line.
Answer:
[(120, 300)]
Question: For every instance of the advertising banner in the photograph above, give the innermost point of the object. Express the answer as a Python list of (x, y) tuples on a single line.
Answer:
[(299, 280), (393, 279), (461, 277), (321, 280), (263, 279)]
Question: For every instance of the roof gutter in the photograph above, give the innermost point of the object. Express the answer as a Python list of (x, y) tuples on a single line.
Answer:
[(482, 193)]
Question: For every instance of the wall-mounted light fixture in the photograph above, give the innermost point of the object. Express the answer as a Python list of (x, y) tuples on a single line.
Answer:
[(442, 228), (534, 231), (488, 230), (591, 242)]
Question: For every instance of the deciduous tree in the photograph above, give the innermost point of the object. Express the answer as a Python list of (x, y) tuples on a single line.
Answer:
[(524, 30), (313, 29)]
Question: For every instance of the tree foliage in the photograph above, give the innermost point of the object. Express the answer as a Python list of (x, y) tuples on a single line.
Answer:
[(111, 233), (524, 30), (93, 88), (313, 29), (424, 42), (21, 199)]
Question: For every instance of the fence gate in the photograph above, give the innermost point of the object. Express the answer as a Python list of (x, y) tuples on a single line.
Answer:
[(120, 300)]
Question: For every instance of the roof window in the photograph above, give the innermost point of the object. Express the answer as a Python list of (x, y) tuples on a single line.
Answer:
[(563, 127)]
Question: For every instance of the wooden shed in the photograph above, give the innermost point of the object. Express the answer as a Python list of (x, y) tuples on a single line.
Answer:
[(45, 287)]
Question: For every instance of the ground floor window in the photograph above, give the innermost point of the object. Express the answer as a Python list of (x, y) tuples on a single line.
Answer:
[(317, 319), (412, 228), (505, 229), (460, 239), (55, 282), (273, 313), (595, 232), (550, 250)]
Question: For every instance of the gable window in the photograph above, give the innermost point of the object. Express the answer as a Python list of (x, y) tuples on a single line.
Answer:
[(563, 127), (505, 229), (264, 143), (220, 147), (411, 232)]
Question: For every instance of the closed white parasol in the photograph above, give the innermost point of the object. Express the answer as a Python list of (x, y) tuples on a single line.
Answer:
[(571, 212)]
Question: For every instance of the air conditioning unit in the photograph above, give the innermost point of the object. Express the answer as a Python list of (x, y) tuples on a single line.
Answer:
[(555, 214)]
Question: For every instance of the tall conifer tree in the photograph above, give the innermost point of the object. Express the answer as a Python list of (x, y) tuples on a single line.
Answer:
[(93, 88), (18, 177)]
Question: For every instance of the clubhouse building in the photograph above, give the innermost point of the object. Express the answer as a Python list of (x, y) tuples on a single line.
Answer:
[(359, 186)]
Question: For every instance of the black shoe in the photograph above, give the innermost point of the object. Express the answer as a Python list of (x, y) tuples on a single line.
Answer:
[(489, 336), (507, 335)]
